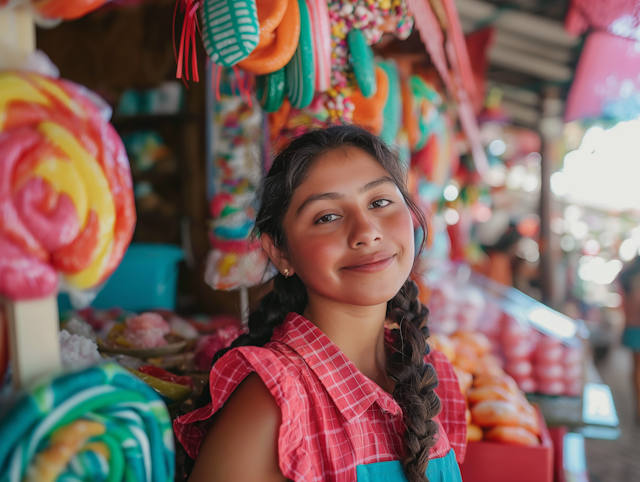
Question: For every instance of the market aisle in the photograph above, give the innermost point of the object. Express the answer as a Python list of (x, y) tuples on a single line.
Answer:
[(617, 461)]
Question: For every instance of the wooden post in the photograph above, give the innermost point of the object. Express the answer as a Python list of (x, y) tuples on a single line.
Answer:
[(550, 132), (33, 329), (17, 37), (32, 326)]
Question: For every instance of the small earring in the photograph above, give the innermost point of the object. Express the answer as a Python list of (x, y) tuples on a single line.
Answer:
[(286, 273)]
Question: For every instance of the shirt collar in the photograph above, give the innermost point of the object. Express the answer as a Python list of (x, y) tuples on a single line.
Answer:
[(351, 391)]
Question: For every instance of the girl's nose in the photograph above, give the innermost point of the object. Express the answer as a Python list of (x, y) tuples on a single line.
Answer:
[(363, 229)]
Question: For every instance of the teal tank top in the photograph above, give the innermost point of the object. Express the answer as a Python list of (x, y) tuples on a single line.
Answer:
[(444, 469)]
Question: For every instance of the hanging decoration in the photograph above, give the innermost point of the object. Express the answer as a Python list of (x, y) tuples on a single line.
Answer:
[(235, 260), (300, 76), (368, 20)]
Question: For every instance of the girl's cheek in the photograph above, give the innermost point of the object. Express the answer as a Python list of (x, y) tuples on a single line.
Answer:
[(401, 228), (315, 252)]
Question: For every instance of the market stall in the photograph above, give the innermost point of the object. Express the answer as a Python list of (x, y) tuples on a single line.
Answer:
[(96, 325)]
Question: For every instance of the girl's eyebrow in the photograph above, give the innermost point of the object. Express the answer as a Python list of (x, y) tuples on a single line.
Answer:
[(336, 195)]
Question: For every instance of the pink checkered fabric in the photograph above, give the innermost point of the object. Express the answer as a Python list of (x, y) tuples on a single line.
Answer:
[(333, 417)]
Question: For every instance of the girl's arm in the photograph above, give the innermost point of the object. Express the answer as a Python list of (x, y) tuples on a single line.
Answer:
[(242, 443)]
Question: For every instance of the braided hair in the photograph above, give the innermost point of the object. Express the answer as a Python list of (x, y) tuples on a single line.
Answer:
[(414, 380)]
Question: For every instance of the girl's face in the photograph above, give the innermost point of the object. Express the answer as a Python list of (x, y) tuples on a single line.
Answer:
[(349, 232)]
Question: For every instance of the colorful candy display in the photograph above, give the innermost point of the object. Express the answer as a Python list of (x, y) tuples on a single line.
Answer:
[(540, 363), (371, 19), (66, 200), (498, 410), (98, 424)]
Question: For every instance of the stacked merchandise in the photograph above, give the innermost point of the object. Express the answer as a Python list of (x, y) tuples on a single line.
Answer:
[(66, 218)]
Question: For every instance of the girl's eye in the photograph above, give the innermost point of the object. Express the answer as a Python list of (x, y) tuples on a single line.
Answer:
[(327, 218), (380, 203)]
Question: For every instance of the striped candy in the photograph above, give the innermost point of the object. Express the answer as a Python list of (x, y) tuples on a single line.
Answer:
[(99, 424), (321, 28), (230, 30), (300, 71)]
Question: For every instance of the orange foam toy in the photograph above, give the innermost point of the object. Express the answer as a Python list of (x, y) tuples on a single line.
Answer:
[(278, 52), (270, 13)]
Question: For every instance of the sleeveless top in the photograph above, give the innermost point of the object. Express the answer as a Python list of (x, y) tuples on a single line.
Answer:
[(337, 424)]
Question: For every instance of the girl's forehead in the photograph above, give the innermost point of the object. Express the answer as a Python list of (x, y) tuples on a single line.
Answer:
[(344, 164)]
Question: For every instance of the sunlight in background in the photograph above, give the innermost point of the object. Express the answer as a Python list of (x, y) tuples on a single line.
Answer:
[(604, 171)]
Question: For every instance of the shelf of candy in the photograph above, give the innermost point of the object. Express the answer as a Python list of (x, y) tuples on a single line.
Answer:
[(538, 347), (171, 353)]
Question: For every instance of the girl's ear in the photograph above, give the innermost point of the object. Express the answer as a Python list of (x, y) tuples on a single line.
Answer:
[(276, 255)]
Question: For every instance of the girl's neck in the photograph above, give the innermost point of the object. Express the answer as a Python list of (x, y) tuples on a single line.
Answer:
[(358, 331)]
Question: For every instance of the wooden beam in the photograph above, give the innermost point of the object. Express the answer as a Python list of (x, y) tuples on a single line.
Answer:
[(536, 66), (17, 37), (520, 23)]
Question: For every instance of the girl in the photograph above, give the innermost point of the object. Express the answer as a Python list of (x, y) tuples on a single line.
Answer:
[(317, 390)]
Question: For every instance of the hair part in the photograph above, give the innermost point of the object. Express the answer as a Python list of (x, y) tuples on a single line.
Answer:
[(415, 381)]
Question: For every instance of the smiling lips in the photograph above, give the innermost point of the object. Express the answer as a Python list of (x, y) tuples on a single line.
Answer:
[(372, 264)]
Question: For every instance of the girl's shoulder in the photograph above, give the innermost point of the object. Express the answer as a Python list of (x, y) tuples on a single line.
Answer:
[(279, 369)]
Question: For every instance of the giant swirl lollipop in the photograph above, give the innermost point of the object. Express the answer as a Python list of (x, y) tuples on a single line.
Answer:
[(66, 201)]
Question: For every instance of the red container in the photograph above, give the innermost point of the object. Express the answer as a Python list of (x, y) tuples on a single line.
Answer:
[(496, 462)]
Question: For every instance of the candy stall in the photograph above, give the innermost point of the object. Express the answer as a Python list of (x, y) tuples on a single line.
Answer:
[(101, 341)]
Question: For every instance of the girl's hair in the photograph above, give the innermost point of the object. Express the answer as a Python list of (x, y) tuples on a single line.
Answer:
[(415, 380)]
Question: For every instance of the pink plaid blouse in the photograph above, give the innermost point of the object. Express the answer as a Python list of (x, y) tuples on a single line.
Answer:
[(333, 417)]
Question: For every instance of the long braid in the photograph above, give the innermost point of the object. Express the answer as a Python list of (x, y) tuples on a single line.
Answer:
[(415, 380)]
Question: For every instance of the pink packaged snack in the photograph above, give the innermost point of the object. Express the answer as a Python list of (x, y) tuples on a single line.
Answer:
[(146, 330)]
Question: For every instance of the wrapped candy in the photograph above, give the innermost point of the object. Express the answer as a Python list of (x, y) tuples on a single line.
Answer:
[(146, 330), (512, 435), (98, 424), (490, 413), (66, 200), (209, 345)]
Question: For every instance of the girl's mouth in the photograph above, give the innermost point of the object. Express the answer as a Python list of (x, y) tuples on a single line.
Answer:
[(371, 266)]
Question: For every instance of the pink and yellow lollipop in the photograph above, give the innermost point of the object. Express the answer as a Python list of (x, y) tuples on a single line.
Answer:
[(66, 200)]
